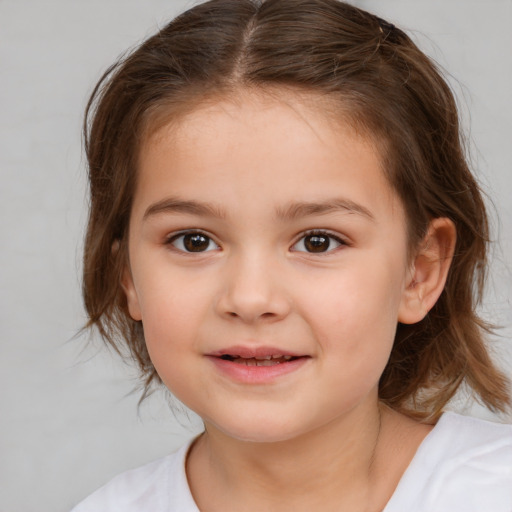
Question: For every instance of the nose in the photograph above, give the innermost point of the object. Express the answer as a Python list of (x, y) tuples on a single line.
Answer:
[(253, 291)]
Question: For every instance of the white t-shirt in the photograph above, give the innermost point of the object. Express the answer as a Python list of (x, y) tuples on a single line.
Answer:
[(463, 465)]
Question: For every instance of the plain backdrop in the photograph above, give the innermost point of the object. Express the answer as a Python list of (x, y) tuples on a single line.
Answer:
[(68, 419)]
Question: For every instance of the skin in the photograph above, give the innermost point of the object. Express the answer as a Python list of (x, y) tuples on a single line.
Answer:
[(237, 172)]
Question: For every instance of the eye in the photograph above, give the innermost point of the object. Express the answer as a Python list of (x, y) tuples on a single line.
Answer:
[(193, 242), (318, 242)]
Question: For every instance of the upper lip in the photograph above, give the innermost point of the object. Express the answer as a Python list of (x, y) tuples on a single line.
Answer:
[(253, 352)]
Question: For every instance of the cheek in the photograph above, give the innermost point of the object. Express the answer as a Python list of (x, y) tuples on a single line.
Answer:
[(356, 312), (170, 323), (172, 310)]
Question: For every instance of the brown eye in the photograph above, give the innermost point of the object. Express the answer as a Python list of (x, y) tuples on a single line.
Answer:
[(193, 242), (196, 243), (318, 243)]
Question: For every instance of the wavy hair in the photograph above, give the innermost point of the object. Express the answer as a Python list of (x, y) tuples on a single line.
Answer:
[(383, 84)]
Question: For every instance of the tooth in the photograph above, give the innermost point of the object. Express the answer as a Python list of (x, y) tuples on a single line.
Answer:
[(287, 358), (263, 358), (267, 362)]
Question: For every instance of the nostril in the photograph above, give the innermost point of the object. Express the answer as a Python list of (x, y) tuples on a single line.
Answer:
[(232, 314)]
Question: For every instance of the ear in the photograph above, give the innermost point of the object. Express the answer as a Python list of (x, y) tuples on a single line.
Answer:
[(132, 299), (429, 271)]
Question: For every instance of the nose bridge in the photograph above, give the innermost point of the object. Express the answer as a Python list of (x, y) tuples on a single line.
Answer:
[(253, 288)]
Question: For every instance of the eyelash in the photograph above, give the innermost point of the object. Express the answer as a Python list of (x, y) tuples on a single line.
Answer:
[(177, 236), (171, 240), (321, 233)]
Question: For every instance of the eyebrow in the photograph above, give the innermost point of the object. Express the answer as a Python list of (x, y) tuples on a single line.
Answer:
[(293, 211), (175, 205), (305, 209)]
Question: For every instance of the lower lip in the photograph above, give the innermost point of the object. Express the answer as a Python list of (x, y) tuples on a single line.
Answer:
[(257, 374)]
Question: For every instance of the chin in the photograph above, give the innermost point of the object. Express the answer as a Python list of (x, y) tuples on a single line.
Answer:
[(261, 430)]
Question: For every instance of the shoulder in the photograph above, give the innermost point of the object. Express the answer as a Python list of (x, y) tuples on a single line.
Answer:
[(464, 464), (158, 486), (463, 438)]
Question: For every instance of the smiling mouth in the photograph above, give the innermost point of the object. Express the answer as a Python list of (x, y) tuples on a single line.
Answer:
[(261, 365), (258, 361)]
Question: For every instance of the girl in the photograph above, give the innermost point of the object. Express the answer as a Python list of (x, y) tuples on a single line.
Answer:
[(284, 231)]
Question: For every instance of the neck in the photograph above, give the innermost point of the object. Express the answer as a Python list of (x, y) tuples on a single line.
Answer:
[(339, 463)]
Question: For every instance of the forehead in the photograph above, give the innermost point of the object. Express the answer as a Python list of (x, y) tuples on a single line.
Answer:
[(252, 141), (323, 114)]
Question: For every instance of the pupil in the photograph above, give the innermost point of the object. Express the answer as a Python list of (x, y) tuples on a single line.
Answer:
[(196, 243), (316, 243)]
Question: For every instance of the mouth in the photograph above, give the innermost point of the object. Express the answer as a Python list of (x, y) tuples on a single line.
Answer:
[(270, 360), (256, 365)]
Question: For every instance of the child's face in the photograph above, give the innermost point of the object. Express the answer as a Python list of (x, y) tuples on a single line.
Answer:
[(261, 228)]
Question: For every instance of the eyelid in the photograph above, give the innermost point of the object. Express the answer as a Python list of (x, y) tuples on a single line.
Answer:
[(342, 241), (169, 239)]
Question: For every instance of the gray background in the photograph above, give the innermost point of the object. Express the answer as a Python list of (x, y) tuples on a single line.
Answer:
[(68, 421)]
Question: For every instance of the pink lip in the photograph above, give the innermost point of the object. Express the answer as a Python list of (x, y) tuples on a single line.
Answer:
[(255, 374), (249, 352)]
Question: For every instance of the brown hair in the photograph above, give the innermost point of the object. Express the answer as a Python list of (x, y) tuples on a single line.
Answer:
[(388, 87)]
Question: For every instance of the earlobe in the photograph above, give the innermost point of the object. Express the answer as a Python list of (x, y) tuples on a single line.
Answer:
[(429, 271), (128, 286)]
